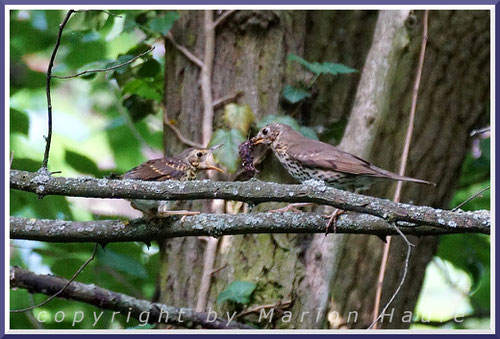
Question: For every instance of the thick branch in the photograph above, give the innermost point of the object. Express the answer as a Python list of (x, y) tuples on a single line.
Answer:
[(106, 299), (216, 225), (254, 192)]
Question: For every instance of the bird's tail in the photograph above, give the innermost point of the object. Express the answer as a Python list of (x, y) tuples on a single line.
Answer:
[(398, 177)]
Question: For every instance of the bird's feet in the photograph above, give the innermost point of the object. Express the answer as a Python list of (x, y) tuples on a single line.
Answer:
[(332, 220), (291, 208)]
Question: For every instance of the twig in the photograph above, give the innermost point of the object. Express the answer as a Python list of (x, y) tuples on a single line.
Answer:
[(402, 169), (124, 304), (281, 305), (471, 198), (48, 139), (222, 17), (403, 278), (177, 132), (480, 131), (107, 69), (222, 101), (184, 50), (64, 287)]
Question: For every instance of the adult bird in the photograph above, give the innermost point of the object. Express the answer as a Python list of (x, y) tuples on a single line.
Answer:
[(308, 159), (182, 167)]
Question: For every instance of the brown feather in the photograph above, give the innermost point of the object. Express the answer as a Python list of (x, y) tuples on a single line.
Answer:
[(317, 154), (159, 170)]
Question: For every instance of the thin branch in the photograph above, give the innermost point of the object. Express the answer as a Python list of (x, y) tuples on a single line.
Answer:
[(225, 99), (403, 278), (109, 300), (279, 304), (471, 198), (402, 170), (253, 191), (222, 17), (480, 131), (184, 50), (48, 139), (214, 225), (64, 287), (177, 132), (107, 69)]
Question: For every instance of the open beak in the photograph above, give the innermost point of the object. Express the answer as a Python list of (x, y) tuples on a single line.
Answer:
[(256, 140)]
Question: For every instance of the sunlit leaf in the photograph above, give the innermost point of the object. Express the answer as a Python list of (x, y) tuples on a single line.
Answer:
[(142, 88), (238, 116)]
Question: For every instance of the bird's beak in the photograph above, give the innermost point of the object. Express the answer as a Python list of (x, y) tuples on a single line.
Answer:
[(213, 148), (256, 140), (207, 165)]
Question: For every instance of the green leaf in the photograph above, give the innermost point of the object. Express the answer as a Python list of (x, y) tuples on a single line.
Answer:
[(322, 68), (149, 69), (294, 95), (163, 23), (227, 155), (237, 291), (138, 108), (238, 117), (282, 119), (142, 88), (122, 263), (19, 122), (81, 163)]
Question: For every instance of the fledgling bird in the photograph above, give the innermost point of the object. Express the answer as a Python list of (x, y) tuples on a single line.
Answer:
[(182, 167), (307, 159)]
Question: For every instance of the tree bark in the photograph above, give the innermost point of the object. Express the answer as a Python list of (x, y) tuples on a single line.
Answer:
[(336, 274)]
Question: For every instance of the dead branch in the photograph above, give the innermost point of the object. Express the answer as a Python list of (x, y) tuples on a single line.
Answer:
[(106, 299), (253, 191)]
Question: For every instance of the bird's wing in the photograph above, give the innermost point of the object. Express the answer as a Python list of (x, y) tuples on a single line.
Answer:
[(158, 170), (317, 154)]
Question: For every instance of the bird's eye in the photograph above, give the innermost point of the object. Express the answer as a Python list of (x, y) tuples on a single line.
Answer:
[(265, 131), (199, 154)]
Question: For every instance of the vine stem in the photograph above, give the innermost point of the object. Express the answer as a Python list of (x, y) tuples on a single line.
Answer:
[(397, 194)]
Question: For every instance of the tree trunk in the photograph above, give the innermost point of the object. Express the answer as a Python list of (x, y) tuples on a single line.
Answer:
[(334, 275)]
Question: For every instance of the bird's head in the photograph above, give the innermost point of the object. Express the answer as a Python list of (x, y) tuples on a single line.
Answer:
[(270, 133), (198, 158)]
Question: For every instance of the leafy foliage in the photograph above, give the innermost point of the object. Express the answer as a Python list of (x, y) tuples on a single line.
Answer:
[(238, 117), (238, 292), (227, 155), (294, 95), (322, 68)]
